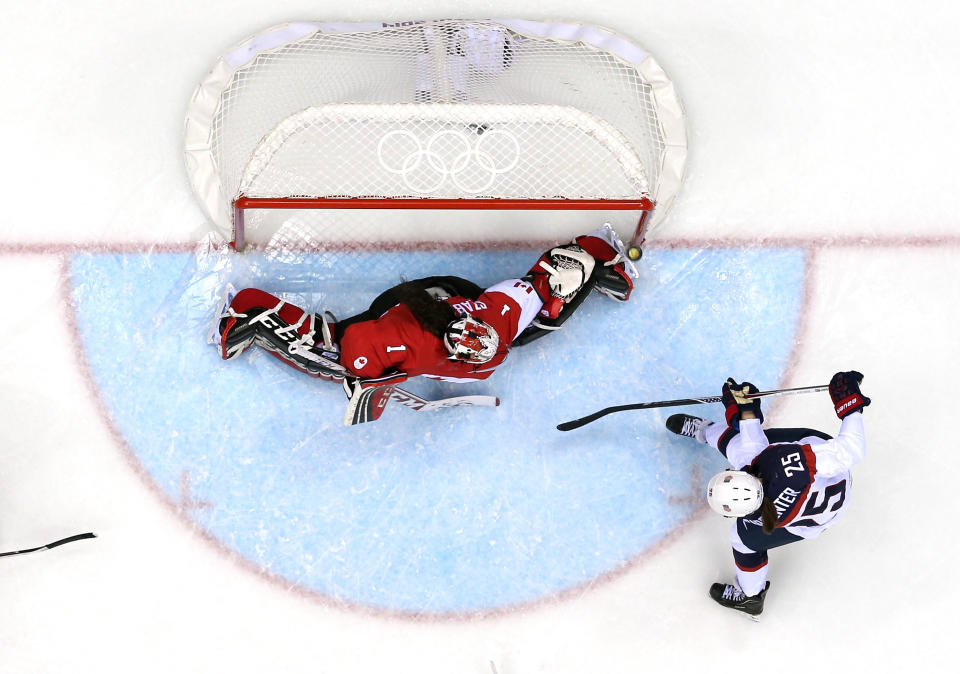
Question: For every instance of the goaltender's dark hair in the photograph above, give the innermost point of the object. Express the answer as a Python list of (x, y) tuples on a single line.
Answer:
[(433, 314)]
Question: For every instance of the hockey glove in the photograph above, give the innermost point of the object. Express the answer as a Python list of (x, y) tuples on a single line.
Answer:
[(558, 276), (734, 398), (845, 393)]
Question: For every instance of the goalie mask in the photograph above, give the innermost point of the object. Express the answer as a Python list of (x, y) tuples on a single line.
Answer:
[(734, 493), (471, 340)]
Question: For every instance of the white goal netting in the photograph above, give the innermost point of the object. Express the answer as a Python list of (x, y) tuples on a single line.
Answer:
[(514, 113)]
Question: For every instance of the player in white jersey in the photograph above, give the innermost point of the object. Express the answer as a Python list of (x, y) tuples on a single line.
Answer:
[(787, 484)]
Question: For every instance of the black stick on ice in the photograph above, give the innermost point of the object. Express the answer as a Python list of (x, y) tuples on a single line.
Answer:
[(68, 539), (583, 421)]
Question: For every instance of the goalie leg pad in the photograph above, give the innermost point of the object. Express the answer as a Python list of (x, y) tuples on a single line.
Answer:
[(232, 332), (613, 277), (614, 282), (604, 244), (301, 340)]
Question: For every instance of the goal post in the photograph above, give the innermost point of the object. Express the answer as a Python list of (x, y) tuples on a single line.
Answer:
[(449, 115)]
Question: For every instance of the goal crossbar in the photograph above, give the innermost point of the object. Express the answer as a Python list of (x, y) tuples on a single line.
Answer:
[(643, 205)]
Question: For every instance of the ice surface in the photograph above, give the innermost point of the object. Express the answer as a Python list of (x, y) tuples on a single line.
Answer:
[(455, 511), (243, 529)]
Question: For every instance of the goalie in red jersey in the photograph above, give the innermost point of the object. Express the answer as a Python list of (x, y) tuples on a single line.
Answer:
[(443, 327)]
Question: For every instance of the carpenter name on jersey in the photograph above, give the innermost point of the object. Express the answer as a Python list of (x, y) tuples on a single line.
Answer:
[(788, 472)]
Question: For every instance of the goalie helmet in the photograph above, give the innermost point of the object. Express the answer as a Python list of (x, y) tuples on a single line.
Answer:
[(734, 493), (471, 340)]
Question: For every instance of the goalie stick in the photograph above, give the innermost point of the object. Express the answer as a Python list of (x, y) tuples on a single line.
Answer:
[(368, 404), (583, 421), (418, 404), (68, 539)]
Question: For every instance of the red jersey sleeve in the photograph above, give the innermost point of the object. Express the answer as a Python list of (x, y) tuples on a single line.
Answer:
[(509, 306)]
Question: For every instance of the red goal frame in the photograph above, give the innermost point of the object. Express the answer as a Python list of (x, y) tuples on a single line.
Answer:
[(243, 203)]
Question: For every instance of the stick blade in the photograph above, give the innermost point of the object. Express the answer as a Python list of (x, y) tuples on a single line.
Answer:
[(62, 541), (71, 539), (473, 401), (575, 423)]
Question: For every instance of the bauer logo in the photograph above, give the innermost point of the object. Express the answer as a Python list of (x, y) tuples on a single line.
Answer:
[(848, 403), (450, 512)]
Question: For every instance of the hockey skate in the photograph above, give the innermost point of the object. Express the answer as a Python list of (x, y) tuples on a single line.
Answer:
[(688, 426), (731, 596)]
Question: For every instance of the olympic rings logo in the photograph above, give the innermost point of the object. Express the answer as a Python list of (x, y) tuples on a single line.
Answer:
[(472, 162)]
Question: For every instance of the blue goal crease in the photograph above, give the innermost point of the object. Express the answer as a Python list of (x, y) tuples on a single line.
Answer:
[(457, 510)]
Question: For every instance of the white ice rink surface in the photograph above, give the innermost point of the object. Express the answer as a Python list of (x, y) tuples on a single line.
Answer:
[(828, 126)]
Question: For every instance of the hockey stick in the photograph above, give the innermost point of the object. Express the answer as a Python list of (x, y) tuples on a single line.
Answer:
[(68, 539), (418, 404), (368, 404), (583, 421)]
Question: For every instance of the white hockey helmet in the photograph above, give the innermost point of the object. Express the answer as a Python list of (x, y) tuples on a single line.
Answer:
[(471, 340), (734, 493)]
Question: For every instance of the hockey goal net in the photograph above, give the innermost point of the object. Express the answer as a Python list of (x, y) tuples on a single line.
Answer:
[(309, 127)]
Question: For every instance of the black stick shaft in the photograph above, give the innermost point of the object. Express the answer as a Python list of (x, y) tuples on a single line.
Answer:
[(583, 421), (68, 539)]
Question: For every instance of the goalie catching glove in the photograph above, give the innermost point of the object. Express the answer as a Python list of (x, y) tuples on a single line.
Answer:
[(559, 275)]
